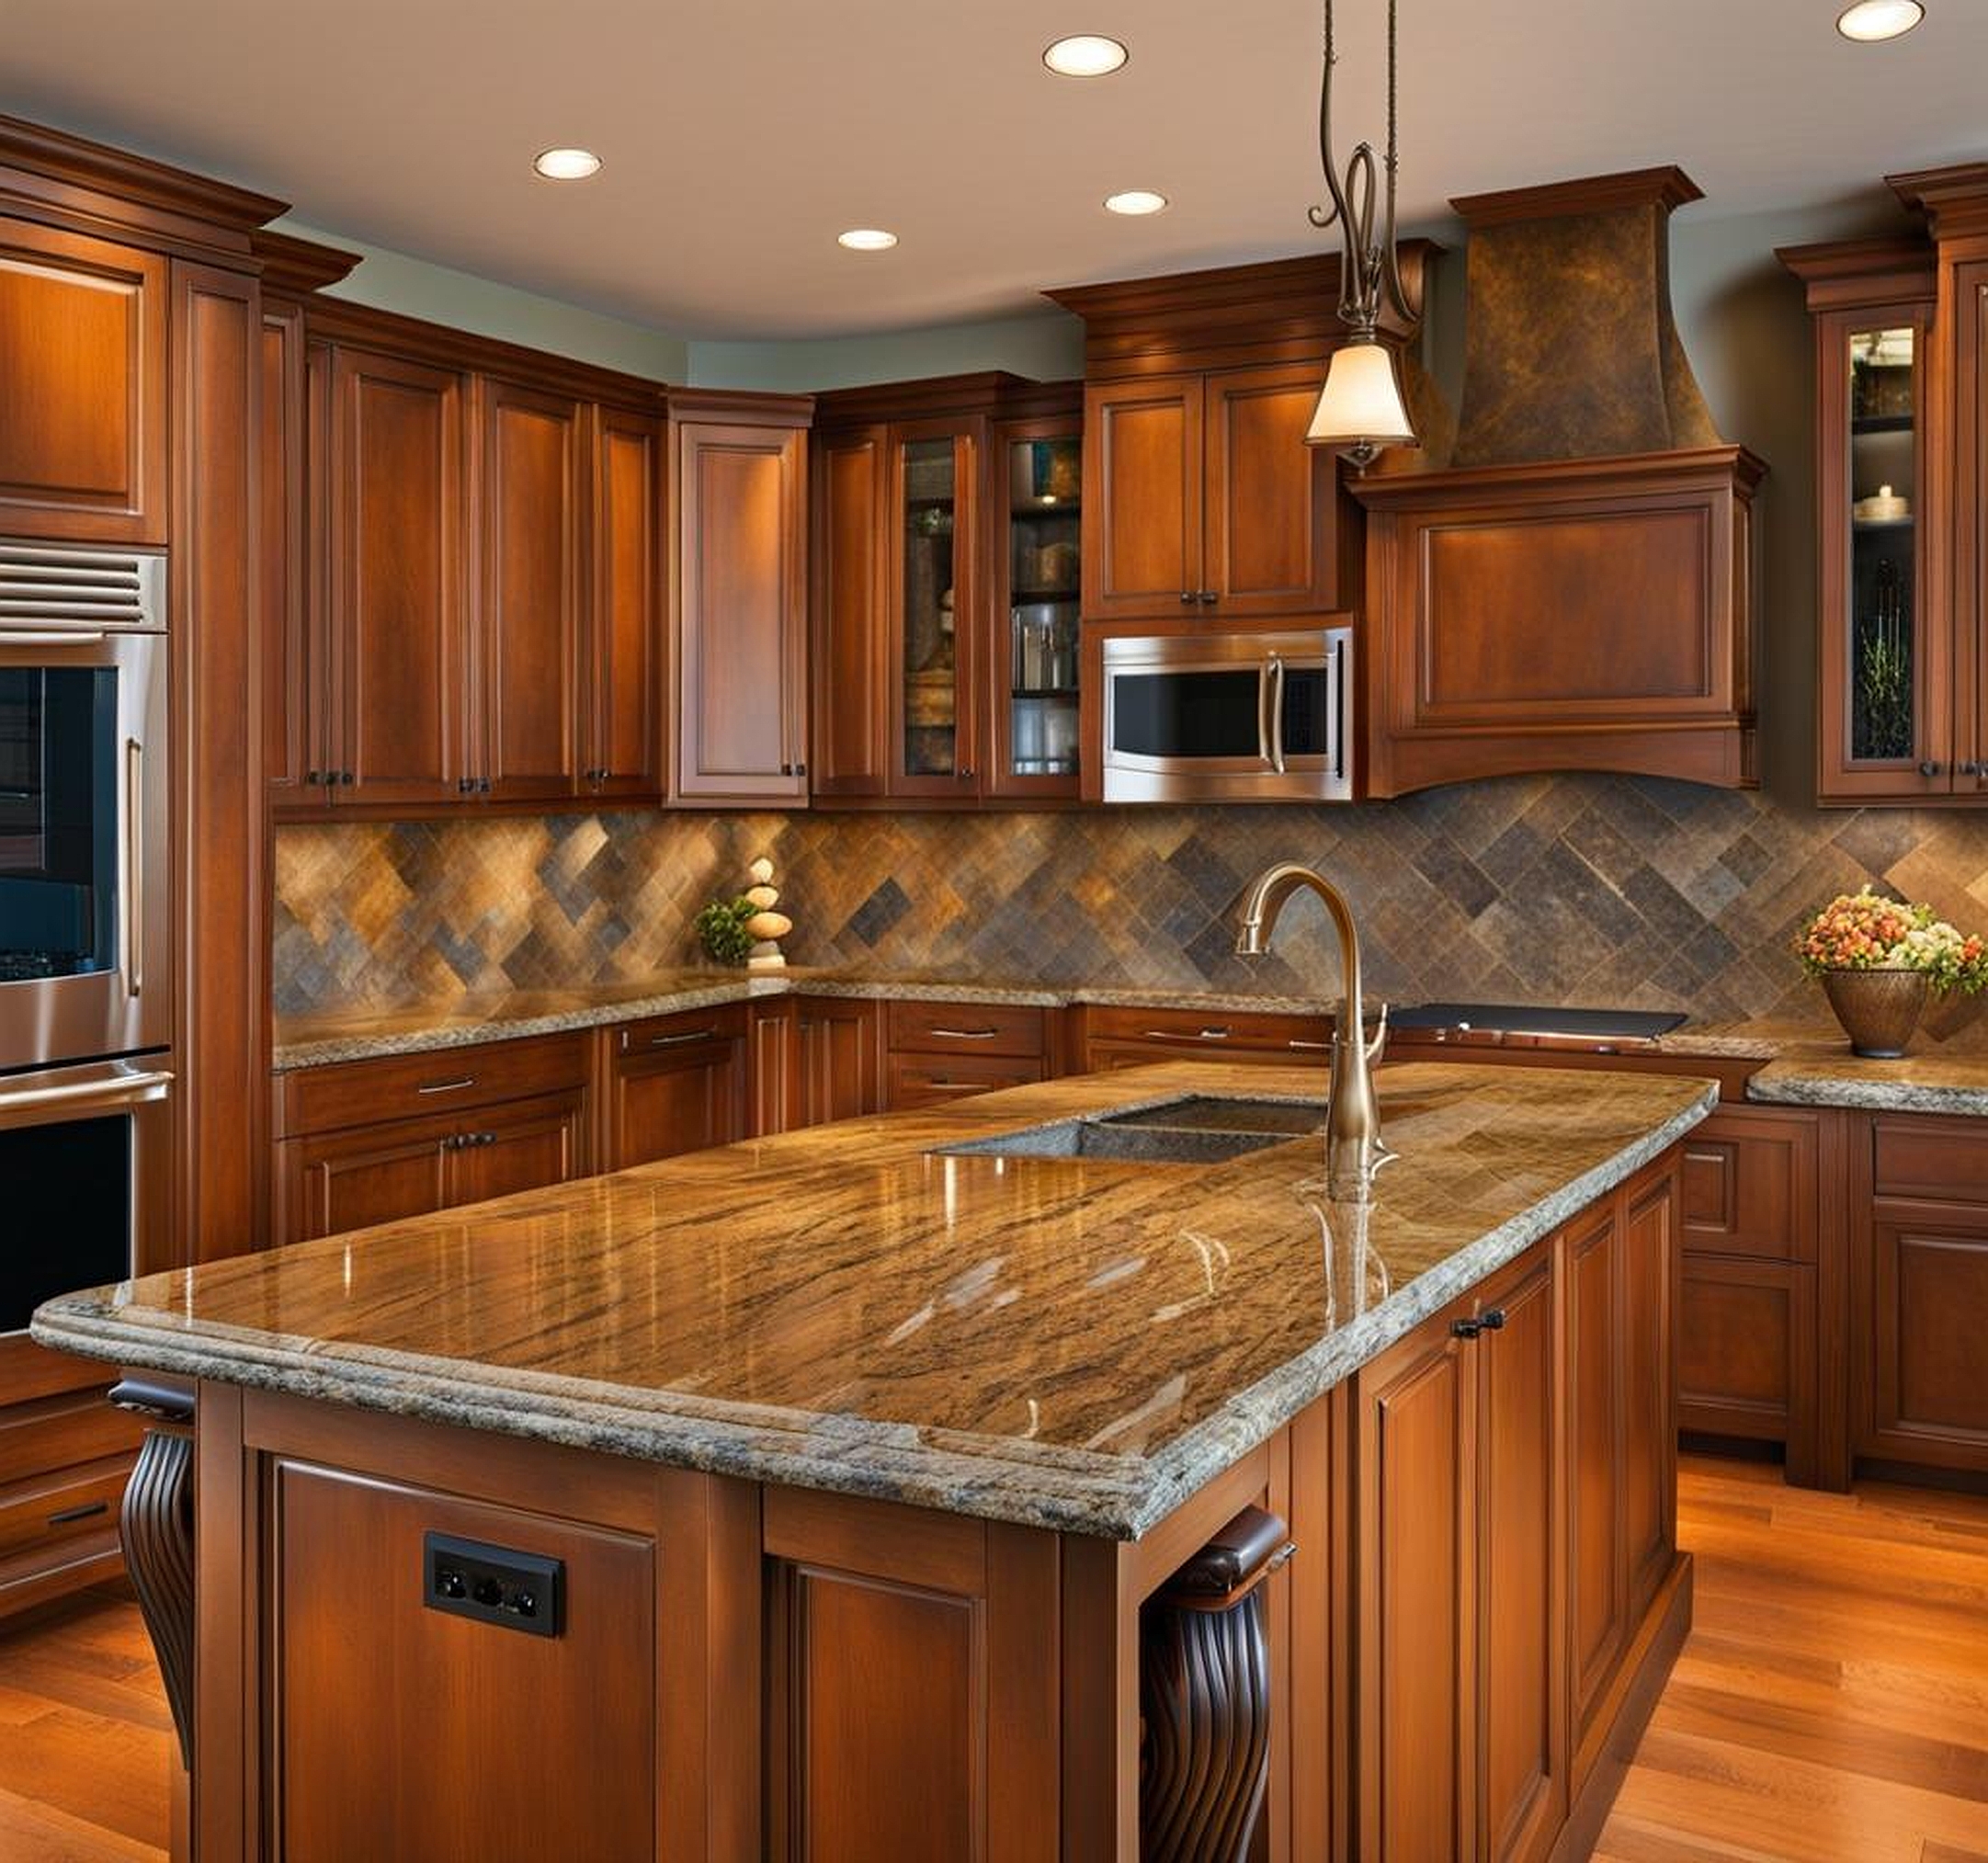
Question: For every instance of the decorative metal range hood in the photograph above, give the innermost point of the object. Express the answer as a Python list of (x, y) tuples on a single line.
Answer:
[(1574, 589)]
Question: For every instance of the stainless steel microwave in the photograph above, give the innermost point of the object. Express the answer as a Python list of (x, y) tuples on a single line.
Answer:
[(85, 884), (1229, 718)]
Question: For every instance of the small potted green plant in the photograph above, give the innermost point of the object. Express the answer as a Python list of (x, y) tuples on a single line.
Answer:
[(1879, 958), (721, 929)]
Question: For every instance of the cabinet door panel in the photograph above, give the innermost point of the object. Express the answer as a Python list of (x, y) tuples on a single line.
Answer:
[(1520, 1562), (522, 1147), (741, 502), (1143, 476), (529, 636), (1745, 1343), (665, 1100), (838, 1046), (361, 1689), (355, 1179), (625, 657), (1417, 1680), (83, 388), (1272, 500), (850, 684), (1749, 1185), (398, 609), (290, 668), (1649, 1407), (1597, 1608), (1922, 1394), (1971, 531)]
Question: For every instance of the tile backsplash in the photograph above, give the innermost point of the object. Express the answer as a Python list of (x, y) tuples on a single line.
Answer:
[(1624, 891)]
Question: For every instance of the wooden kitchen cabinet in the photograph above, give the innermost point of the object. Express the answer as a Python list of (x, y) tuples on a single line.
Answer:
[(375, 1141), (398, 621), (1108, 1037), (83, 362), (531, 530), (1902, 416), (945, 588), (941, 1051), (1206, 498), (836, 1063), (1919, 1292), (625, 677), (738, 491), (674, 1083)]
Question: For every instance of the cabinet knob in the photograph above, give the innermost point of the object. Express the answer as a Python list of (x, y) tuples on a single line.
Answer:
[(482, 786), (1929, 768), (787, 770), (465, 785), (345, 780), (1492, 1321), (966, 776), (1466, 1329), (801, 769), (1187, 598), (313, 778), (1972, 769), (1207, 599)]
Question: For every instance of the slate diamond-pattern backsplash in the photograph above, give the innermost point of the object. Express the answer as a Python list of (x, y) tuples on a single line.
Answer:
[(1625, 892)]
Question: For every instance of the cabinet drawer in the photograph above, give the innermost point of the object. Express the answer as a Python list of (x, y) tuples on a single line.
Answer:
[(366, 1093), (688, 1029), (60, 1432), (929, 1080), (1943, 1159), (1297, 1037), (71, 1504), (1750, 1185), (964, 1028)]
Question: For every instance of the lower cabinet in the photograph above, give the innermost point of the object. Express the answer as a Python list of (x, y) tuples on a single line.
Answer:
[(1514, 1488), (937, 1052), (675, 1083), (1110, 1036), (836, 1059), (1919, 1284), (378, 1140)]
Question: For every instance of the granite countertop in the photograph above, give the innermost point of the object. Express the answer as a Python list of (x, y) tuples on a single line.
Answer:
[(320, 1041), (1067, 1342), (1826, 1073)]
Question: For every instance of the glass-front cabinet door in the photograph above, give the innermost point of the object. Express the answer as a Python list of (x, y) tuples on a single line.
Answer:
[(933, 467), (1885, 724), (1034, 716)]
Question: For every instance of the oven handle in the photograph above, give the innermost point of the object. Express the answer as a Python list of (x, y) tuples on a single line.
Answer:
[(35, 1105), (1276, 713), (49, 637), (134, 865)]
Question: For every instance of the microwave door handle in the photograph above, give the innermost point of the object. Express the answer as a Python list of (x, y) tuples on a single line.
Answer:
[(1277, 715), (50, 637), (134, 865), (1263, 711)]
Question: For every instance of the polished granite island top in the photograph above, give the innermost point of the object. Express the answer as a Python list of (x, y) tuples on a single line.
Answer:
[(1060, 1342), (1826, 1073)]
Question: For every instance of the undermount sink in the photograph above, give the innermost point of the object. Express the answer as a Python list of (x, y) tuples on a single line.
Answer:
[(1196, 1130)]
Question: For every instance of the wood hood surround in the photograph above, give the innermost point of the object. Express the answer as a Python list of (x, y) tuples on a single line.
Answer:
[(1574, 589)]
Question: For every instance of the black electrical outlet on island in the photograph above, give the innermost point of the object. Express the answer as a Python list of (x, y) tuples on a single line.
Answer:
[(517, 1591)]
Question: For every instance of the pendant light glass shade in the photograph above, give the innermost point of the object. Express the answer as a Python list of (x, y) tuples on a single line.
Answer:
[(1361, 407)]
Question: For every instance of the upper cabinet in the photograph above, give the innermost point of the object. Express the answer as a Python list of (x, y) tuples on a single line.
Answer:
[(1206, 498), (462, 567), (1901, 422), (739, 499), (948, 516), (81, 388)]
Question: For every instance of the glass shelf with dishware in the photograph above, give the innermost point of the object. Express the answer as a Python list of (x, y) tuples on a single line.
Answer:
[(1041, 708), (1883, 580)]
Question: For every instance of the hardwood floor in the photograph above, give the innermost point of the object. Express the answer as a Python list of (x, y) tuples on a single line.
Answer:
[(1831, 1706), (86, 1754), (1833, 1701)]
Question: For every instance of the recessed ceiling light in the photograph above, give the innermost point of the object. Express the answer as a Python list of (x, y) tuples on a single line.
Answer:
[(1870, 20), (866, 239), (1085, 54), (1135, 200), (566, 164)]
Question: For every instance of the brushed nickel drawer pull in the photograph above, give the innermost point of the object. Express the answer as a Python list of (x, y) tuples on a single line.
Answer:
[(447, 1086), (70, 1516), (679, 1040), (967, 1034), (1308, 1047)]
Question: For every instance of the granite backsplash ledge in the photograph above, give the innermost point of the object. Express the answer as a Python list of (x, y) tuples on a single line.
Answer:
[(1628, 892)]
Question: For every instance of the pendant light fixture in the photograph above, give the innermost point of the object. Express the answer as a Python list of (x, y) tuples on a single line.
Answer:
[(1360, 409)]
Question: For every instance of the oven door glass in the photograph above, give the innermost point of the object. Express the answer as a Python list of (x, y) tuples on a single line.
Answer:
[(69, 1211), (58, 820)]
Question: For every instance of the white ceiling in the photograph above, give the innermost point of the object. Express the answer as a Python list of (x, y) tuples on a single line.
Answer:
[(740, 136)]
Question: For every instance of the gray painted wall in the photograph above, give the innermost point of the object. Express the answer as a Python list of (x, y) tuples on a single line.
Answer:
[(397, 282), (1043, 346)]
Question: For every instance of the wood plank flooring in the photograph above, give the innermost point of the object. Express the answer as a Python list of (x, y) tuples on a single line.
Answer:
[(87, 1752), (1831, 1706)]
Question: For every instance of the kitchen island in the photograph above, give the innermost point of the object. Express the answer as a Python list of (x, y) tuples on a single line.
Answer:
[(860, 1452)]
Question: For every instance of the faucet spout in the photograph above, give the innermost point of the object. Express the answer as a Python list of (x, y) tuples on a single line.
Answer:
[(1352, 1147)]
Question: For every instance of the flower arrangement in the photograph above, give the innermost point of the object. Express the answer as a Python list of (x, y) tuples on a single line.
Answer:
[(1865, 931)]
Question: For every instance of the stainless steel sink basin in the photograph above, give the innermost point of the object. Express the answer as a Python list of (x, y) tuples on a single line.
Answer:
[(1199, 1130)]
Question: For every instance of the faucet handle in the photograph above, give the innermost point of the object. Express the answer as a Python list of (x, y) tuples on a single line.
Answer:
[(1379, 1042)]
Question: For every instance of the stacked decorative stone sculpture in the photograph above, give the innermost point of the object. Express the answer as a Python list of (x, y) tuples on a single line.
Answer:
[(766, 926)]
